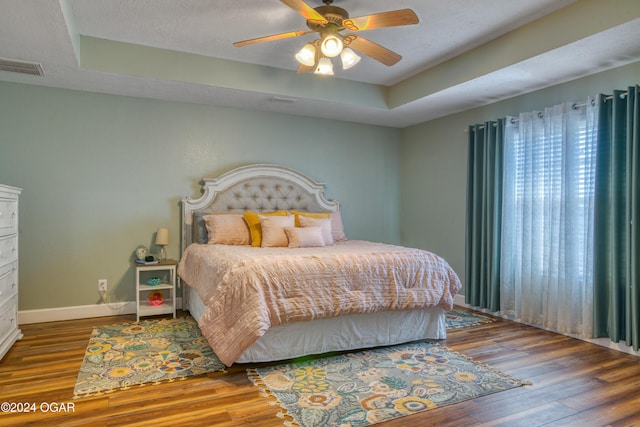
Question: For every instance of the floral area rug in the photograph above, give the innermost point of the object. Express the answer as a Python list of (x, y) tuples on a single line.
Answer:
[(372, 386), (463, 318), (125, 355)]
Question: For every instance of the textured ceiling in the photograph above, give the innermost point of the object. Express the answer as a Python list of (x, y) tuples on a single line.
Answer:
[(462, 54)]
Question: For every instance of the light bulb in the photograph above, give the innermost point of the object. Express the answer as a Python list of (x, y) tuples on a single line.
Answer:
[(331, 45)]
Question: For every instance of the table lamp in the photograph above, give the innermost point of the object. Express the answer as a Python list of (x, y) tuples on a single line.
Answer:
[(162, 240)]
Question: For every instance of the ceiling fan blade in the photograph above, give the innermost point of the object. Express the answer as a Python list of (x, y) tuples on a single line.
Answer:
[(371, 49), (305, 10), (305, 68), (271, 37), (381, 20)]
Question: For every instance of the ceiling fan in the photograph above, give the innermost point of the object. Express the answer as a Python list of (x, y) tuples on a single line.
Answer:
[(328, 21)]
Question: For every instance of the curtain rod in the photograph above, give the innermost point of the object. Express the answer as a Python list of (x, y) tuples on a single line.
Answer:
[(574, 106)]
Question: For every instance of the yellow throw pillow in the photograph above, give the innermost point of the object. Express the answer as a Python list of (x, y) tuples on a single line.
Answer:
[(309, 215), (253, 221)]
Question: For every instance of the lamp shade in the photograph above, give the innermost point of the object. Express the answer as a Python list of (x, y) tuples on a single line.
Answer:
[(307, 55), (162, 237), (325, 67), (349, 58)]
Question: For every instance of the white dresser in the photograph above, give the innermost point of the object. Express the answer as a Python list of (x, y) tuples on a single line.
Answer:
[(9, 332)]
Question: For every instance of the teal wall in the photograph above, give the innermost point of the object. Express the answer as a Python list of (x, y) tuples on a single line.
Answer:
[(434, 162), (100, 174)]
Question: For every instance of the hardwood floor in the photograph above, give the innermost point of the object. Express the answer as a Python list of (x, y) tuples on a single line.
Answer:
[(574, 383)]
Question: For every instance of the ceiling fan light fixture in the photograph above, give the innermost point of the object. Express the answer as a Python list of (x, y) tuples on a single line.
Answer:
[(307, 55), (349, 58), (331, 45), (325, 67), (327, 22)]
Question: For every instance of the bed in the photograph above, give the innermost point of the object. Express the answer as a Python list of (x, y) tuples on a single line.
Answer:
[(259, 296)]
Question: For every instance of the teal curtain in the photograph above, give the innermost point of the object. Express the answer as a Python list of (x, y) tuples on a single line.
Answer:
[(617, 219), (484, 212)]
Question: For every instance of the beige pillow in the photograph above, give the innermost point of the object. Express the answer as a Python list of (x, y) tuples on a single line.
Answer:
[(337, 229), (253, 221), (323, 223), (273, 234), (304, 237), (227, 229)]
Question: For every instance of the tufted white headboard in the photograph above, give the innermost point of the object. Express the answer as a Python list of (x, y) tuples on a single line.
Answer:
[(258, 188)]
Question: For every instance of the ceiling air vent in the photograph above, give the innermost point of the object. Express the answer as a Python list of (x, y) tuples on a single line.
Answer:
[(23, 67), (283, 99)]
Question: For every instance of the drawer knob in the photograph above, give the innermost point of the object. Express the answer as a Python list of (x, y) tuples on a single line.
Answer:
[(14, 284)]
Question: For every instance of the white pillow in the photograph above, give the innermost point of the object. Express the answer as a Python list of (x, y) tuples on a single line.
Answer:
[(273, 234), (227, 229), (304, 237), (323, 223)]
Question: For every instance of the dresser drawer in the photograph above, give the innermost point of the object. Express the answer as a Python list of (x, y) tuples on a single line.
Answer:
[(8, 216), (8, 318), (8, 249), (8, 281)]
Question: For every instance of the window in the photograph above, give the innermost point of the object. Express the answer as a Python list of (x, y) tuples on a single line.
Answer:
[(547, 232)]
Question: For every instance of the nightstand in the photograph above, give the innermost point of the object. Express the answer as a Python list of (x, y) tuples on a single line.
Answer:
[(165, 271)]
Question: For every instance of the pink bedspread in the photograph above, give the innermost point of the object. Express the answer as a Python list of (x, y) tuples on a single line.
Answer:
[(247, 290)]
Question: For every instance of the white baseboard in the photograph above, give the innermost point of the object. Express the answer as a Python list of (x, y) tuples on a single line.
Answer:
[(602, 342), (619, 346), (26, 317), (459, 300), (44, 315), (79, 312)]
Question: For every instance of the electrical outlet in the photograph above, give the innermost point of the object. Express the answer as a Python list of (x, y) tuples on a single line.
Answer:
[(102, 285)]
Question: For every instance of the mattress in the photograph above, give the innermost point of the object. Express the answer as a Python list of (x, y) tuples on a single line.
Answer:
[(339, 333)]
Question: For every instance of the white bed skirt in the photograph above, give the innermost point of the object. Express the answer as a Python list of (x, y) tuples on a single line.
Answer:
[(340, 333)]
